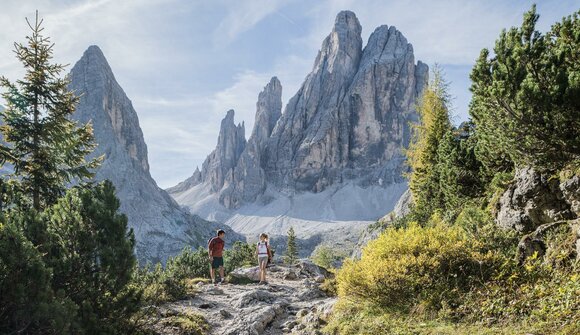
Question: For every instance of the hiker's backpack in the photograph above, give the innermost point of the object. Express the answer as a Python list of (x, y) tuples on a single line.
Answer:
[(266, 245)]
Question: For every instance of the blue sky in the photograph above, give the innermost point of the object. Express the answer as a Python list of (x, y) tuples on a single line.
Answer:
[(184, 63)]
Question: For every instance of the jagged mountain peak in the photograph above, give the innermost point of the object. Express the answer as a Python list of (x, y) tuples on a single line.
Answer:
[(346, 21), (340, 138), (161, 227), (92, 78)]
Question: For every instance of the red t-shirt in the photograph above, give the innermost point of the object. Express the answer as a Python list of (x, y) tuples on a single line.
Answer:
[(216, 245)]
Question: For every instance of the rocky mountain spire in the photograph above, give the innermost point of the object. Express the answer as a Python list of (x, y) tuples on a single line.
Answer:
[(93, 76), (350, 118), (296, 147), (221, 162), (248, 178), (268, 111), (161, 227), (380, 105)]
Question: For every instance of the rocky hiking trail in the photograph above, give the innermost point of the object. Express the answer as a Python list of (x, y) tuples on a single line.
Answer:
[(291, 303)]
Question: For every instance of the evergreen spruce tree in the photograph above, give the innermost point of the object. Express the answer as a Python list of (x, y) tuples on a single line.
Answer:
[(422, 153), (46, 149), (291, 247)]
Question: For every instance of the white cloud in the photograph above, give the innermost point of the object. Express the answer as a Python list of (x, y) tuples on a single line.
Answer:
[(242, 16)]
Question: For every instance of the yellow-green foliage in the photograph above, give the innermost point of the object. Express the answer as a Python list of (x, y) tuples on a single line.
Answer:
[(422, 153), (416, 268), (189, 323)]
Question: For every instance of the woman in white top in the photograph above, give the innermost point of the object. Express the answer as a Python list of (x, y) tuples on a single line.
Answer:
[(263, 252)]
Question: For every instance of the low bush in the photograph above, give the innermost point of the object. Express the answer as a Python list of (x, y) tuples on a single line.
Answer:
[(418, 268)]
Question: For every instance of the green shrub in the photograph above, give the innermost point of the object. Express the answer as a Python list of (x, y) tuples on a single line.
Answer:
[(240, 255), (189, 323), (479, 226), (189, 264), (417, 267), (90, 250), (27, 302), (328, 257)]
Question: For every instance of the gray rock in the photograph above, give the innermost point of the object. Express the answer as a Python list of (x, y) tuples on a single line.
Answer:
[(225, 314), (311, 294), (289, 274), (185, 185), (254, 321), (571, 191), (253, 297), (248, 178), (311, 270), (214, 290), (220, 163), (403, 206), (161, 227), (251, 274), (531, 200)]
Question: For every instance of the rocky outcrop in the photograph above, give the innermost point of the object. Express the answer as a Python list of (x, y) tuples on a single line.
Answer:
[(531, 200), (571, 191), (161, 227), (283, 306), (535, 204), (219, 165), (248, 181)]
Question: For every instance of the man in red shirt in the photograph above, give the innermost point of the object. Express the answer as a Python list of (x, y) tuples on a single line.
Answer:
[(215, 248)]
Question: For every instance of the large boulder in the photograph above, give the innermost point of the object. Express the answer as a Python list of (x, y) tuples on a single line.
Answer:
[(311, 270), (245, 275), (531, 200)]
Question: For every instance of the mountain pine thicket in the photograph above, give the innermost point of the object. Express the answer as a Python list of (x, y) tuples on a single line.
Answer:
[(447, 268)]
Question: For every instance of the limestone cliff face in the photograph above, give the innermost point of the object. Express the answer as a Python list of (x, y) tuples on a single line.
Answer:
[(248, 181), (348, 123), (219, 165), (161, 227), (351, 117)]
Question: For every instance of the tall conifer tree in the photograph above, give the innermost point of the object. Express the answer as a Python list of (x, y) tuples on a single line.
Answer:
[(45, 147)]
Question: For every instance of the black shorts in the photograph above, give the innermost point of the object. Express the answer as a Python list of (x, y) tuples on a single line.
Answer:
[(217, 262)]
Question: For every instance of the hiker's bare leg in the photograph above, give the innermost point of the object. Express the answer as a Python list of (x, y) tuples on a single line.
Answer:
[(221, 272), (212, 274)]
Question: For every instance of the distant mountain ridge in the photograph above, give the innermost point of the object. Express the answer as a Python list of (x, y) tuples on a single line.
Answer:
[(336, 150)]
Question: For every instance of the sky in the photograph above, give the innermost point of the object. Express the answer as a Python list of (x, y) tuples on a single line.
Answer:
[(184, 63)]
